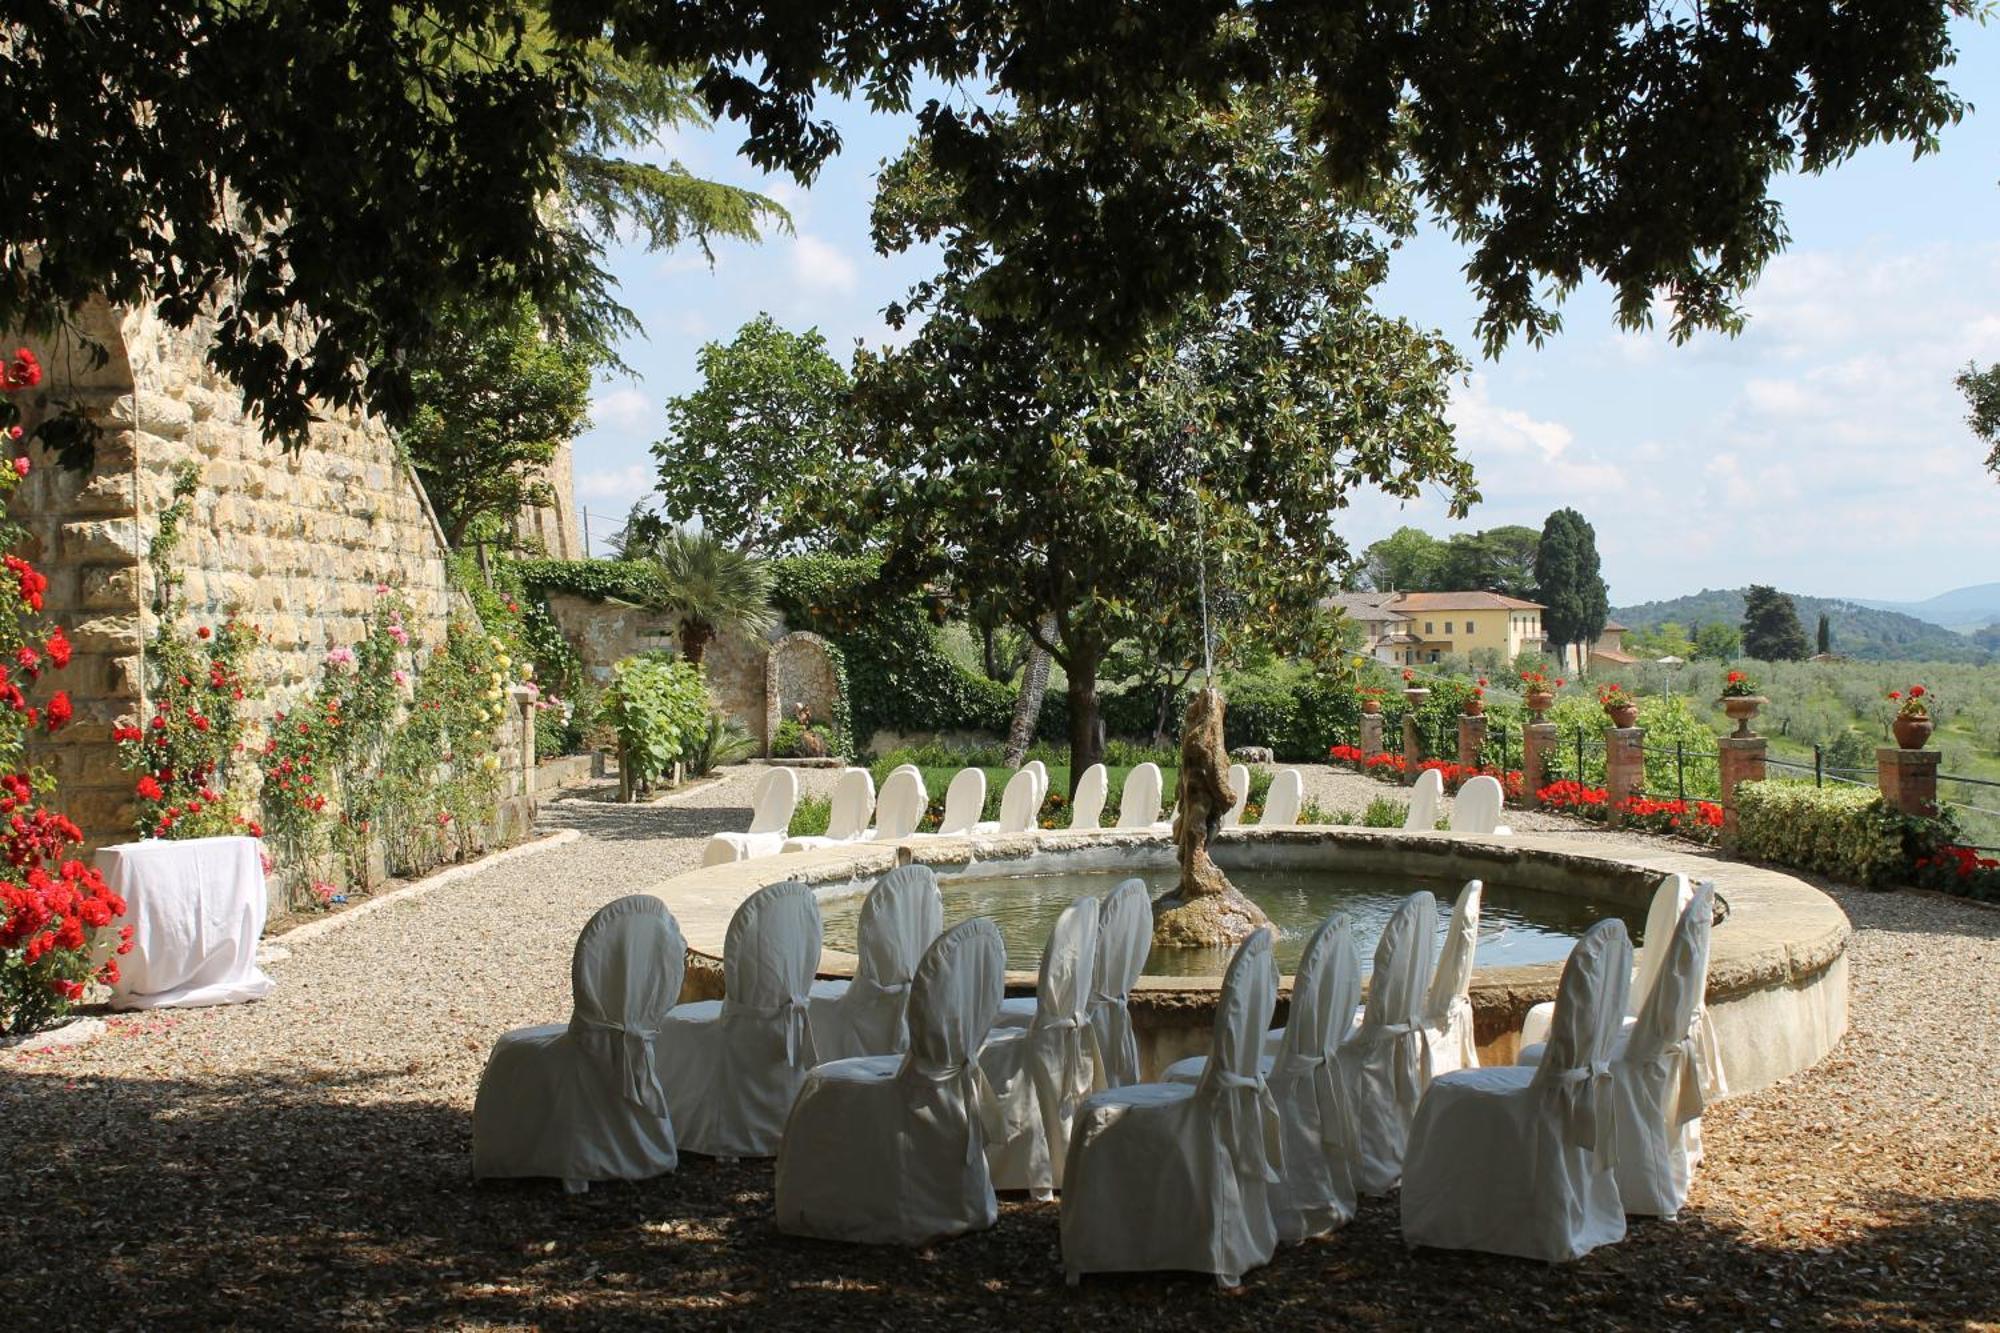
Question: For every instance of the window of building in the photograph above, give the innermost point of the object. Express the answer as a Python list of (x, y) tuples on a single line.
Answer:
[(1429, 628), (1468, 628), (1447, 627)]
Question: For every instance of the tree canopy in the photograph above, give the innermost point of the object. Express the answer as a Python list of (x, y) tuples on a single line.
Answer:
[(1575, 603), (1498, 559), (1094, 504), (1982, 400), (746, 450), (334, 173), (1771, 628), (1718, 641)]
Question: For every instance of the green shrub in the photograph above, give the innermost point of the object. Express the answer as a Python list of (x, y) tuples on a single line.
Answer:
[(1843, 832), (723, 741), (1312, 812), (810, 817), (659, 709), (789, 741), (1384, 812)]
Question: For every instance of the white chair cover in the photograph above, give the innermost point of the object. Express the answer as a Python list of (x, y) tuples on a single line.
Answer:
[(1518, 1161), (1667, 1072), (1124, 938), (1087, 810), (900, 807), (1448, 1036), (770, 815), (900, 918), (1385, 1059), (1663, 914), (731, 1067), (582, 1101), (1239, 787), (964, 801), (1476, 808), (1282, 802), (891, 1150), (1180, 1176), (847, 821), (1018, 803), (1317, 1192), (1040, 1072), (1041, 772), (1425, 797), (1139, 807)]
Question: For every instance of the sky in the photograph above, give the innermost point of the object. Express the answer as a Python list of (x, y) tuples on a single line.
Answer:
[(1824, 450)]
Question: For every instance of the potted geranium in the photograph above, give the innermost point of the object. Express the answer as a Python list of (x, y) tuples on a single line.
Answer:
[(1476, 705), (1371, 700), (1412, 691), (1538, 697), (1912, 723), (1740, 700), (1618, 705)]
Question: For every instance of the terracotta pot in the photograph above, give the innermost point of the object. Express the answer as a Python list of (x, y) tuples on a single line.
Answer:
[(1741, 708), (1623, 715), (1911, 730), (1416, 696), (1475, 707), (1540, 701), (1371, 706)]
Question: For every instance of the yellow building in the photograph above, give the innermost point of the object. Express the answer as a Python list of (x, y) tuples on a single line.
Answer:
[(1441, 623)]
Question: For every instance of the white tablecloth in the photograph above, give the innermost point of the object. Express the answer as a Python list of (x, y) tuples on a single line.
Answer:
[(196, 909)]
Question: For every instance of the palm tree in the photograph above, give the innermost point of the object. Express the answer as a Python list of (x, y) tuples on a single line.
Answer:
[(712, 587)]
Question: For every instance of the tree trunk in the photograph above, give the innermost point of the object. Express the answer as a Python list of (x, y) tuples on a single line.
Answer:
[(1086, 736), (694, 640), (1028, 703), (986, 649)]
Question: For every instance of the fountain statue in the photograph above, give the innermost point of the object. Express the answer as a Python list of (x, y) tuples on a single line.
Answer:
[(1206, 911)]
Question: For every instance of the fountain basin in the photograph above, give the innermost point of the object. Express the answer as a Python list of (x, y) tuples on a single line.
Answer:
[(1777, 988)]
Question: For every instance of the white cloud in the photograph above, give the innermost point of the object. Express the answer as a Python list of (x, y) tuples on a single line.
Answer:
[(819, 266), (623, 410), (617, 484), (1483, 427)]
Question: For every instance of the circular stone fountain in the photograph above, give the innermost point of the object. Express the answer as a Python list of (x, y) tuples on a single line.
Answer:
[(1777, 987)]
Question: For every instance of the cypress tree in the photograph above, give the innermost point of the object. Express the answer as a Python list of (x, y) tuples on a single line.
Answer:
[(1825, 634), (1771, 628), (1575, 603)]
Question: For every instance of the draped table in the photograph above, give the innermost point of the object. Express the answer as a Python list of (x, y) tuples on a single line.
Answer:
[(196, 908)]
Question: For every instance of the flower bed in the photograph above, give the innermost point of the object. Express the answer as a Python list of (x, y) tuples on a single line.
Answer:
[(1699, 820), (1961, 870), (1393, 767)]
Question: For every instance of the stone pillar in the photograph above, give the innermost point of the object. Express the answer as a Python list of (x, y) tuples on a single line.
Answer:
[(1740, 759), (524, 697), (1624, 767), (1371, 733), (1471, 739), (1908, 779), (1413, 747), (1538, 742)]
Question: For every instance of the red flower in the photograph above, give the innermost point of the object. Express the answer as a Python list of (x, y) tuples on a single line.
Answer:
[(57, 646), (20, 462), (150, 789), (23, 372), (1916, 691), (59, 711)]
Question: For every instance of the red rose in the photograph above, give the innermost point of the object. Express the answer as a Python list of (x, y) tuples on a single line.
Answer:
[(21, 462), (59, 711), (202, 633), (150, 789), (57, 646)]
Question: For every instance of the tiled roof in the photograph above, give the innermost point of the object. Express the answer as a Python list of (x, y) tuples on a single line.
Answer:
[(1462, 601), (1365, 606)]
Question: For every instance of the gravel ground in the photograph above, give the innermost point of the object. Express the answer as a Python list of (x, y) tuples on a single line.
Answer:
[(302, 1162)]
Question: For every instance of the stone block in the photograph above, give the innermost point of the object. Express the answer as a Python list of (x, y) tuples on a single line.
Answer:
[(107, 587), (113, 634), (113, 541), (161, 415)]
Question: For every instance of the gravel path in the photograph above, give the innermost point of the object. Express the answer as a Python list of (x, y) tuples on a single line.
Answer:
[(302, 1162)]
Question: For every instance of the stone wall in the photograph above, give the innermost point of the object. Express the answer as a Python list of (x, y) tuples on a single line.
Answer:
[(294, 542), (603, 633)]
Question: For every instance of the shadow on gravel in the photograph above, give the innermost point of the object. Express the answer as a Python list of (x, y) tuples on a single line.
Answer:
[(289, 1201), (613, 822)]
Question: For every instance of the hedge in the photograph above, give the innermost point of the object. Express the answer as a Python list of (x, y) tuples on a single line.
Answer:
[(1845, 833)]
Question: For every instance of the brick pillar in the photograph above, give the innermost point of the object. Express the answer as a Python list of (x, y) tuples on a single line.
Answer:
[(1413, 746), (1741, 759), (1538, 742), (1371, 733), (1471, 739), (1908, 779), (1624, 766)]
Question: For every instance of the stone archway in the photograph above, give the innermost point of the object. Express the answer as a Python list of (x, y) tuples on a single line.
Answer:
[(799, 670)]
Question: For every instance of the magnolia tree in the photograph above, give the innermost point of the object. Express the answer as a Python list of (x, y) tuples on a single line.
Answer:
[(56, 914), (1093, 500)]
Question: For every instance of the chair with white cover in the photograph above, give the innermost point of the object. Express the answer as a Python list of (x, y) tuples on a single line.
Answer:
[(1124, 938), (1041, 772), (1039, 1073), (1282, 802), (1449, 1042), (1316, 1192), (1180, 1176), (771, 814), (1426, 795), (582, 1101), (891, 1150), (1664, 1071), (731, 1067), (1514, 1160), (1139, 806), (1384, 1060), (847, 818), (1087, 810), (1239, 787), (1670, 900), (1019, 801), (964, 801), (1476, 808), (900, 918), (900, 806)]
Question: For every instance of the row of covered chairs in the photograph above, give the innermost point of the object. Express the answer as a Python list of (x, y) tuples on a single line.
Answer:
[(1476, 808), (904, 799)]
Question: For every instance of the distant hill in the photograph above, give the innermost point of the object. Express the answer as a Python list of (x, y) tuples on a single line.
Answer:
[(1860, 631), (1962, 609)]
